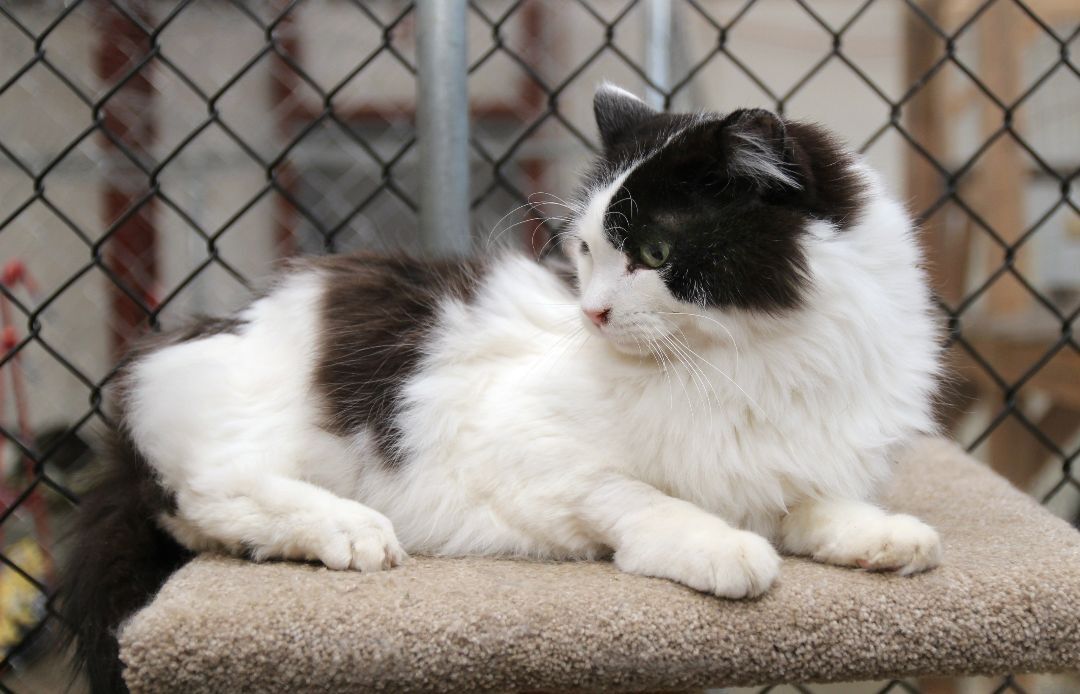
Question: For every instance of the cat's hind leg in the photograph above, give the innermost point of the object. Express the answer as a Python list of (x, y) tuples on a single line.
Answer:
[(271, 516), (859, 534), (230, 427)]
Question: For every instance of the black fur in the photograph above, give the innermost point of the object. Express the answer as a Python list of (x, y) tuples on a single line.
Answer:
[(618, 116), (734, 233), (375, 318), (118, 560)]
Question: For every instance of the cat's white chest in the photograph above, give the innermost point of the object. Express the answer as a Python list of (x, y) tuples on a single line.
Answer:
[(707, 443)]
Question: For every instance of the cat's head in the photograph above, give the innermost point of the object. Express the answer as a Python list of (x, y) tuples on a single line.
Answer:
[(701, 214)]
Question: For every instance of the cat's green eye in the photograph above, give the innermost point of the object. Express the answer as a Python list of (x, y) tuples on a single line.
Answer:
[(655, 253)]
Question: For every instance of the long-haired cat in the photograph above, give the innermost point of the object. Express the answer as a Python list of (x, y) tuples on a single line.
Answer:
[(747, 341)]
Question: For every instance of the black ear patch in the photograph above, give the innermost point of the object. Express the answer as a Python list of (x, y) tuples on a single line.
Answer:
[(832, 188), (758, 148), (793, 163), (618, 113)]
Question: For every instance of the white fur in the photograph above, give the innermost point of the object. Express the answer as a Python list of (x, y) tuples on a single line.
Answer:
[(681, 440)]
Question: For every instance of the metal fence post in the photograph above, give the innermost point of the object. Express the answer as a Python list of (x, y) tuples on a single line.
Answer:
[(658, 20), (442, 111)]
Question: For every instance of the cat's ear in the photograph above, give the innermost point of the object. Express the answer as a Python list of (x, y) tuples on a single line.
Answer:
[(618, 112), (757, 147)]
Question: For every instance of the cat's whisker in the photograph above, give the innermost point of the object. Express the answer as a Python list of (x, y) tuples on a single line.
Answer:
[(633, 203), (690, 373), (701, 382), (621, 200), (699, 374), (572, 205), (685, 342), (658, 357), (558, 238), (647, 345), (761, 411), (539, 222), (664, 370), (734, 343), (532, 206), (625, 218), (563, 342), (563, 345)]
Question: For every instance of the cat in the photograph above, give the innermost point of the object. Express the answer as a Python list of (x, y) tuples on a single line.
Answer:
[(745, 341)]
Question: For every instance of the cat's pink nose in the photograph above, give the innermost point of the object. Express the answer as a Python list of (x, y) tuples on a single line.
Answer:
[(598, 317)]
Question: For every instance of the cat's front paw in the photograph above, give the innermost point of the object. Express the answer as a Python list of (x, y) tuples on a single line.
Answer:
[(719, 560), (899, 543), (356, 537)]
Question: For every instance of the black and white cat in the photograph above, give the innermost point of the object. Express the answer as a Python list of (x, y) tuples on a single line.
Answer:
[(748, 341)]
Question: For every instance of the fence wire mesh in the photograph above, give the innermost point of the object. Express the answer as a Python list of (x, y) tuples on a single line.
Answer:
[(157, 157)]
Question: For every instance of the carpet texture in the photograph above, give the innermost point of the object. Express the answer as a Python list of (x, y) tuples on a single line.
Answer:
[(1007, 599)]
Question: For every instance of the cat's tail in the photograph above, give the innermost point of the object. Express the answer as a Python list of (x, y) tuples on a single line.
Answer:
[(118, 558)]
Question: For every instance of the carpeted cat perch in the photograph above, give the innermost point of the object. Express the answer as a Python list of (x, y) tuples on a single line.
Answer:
[(1006, 600)]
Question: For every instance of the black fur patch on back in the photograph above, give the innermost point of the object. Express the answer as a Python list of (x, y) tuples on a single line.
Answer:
[(731, 195), (376, 315)]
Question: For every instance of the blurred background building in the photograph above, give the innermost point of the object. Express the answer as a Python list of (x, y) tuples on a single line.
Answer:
[(158, 157)]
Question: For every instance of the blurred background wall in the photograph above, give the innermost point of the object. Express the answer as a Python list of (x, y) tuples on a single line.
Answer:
[(158, 157)]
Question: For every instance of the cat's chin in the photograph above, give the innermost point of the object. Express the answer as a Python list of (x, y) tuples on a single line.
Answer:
[(626, 345)]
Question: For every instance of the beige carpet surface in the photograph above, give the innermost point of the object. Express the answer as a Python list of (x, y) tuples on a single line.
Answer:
[(1007, 599)]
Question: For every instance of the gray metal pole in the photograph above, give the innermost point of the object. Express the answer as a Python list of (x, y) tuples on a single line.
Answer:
[(442, 114), (658, 21)]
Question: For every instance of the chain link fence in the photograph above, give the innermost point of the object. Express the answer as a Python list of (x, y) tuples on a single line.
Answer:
[(157, 158)]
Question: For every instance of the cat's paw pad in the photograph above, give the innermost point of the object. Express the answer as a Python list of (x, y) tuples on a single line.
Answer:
[(725, 562), (360, 539), (899, 543)]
